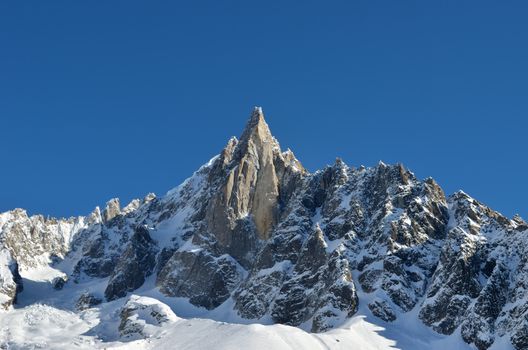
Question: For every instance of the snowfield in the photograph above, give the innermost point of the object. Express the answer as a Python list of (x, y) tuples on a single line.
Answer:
[(46, 318)]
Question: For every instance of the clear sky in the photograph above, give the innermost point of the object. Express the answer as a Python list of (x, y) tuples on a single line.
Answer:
[(102, 99)]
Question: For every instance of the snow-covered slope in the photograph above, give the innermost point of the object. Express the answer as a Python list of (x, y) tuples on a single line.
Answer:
[(252, 249)]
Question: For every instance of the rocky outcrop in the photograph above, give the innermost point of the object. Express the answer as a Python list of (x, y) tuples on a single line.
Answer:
[(142, 317), (254, 177), (133, 266), (34, 240), (87, 301), (111, 210), (10, 280), (205, 279), (111, 246), (59, 282), (480, 265), (320, 287)]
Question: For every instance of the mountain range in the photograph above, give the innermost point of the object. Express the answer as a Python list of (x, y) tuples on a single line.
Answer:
[(253, 239)]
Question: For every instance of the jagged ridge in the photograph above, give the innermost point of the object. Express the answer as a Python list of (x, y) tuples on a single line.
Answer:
[(253, 229)]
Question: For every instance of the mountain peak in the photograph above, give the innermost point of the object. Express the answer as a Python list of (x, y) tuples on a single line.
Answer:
[(256, 138), (257, 110), (256, 169), (256, 126), (256, 117), (112, 209)]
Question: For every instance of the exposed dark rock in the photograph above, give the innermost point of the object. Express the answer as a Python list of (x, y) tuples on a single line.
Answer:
[(59, 282), (87, 300), (382, 309), (136, 263), (205, 279), (140, 315)]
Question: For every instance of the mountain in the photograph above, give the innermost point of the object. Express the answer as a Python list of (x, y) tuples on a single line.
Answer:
[(252, 237)]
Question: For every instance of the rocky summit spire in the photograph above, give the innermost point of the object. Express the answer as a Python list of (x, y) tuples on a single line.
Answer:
[(256, 135), (255, 120), (257, 115), (252, 184)]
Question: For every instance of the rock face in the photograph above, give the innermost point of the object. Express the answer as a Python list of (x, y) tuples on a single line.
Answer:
[(11, 282), (59, 282), (86, 301), (36, 239), (134, 265), (251, 186), (112, 209), (253, 179), (480, 282), (141, 317), (253, 232), (205, 279)]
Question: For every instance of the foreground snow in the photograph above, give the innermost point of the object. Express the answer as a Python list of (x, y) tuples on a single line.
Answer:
[(41, 326), (53, 323)]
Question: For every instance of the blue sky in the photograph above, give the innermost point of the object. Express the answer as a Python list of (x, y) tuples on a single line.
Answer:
[(107, 99)]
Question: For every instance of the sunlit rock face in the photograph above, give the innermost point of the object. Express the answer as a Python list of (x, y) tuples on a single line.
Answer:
[(255, 234), (254, 177)]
